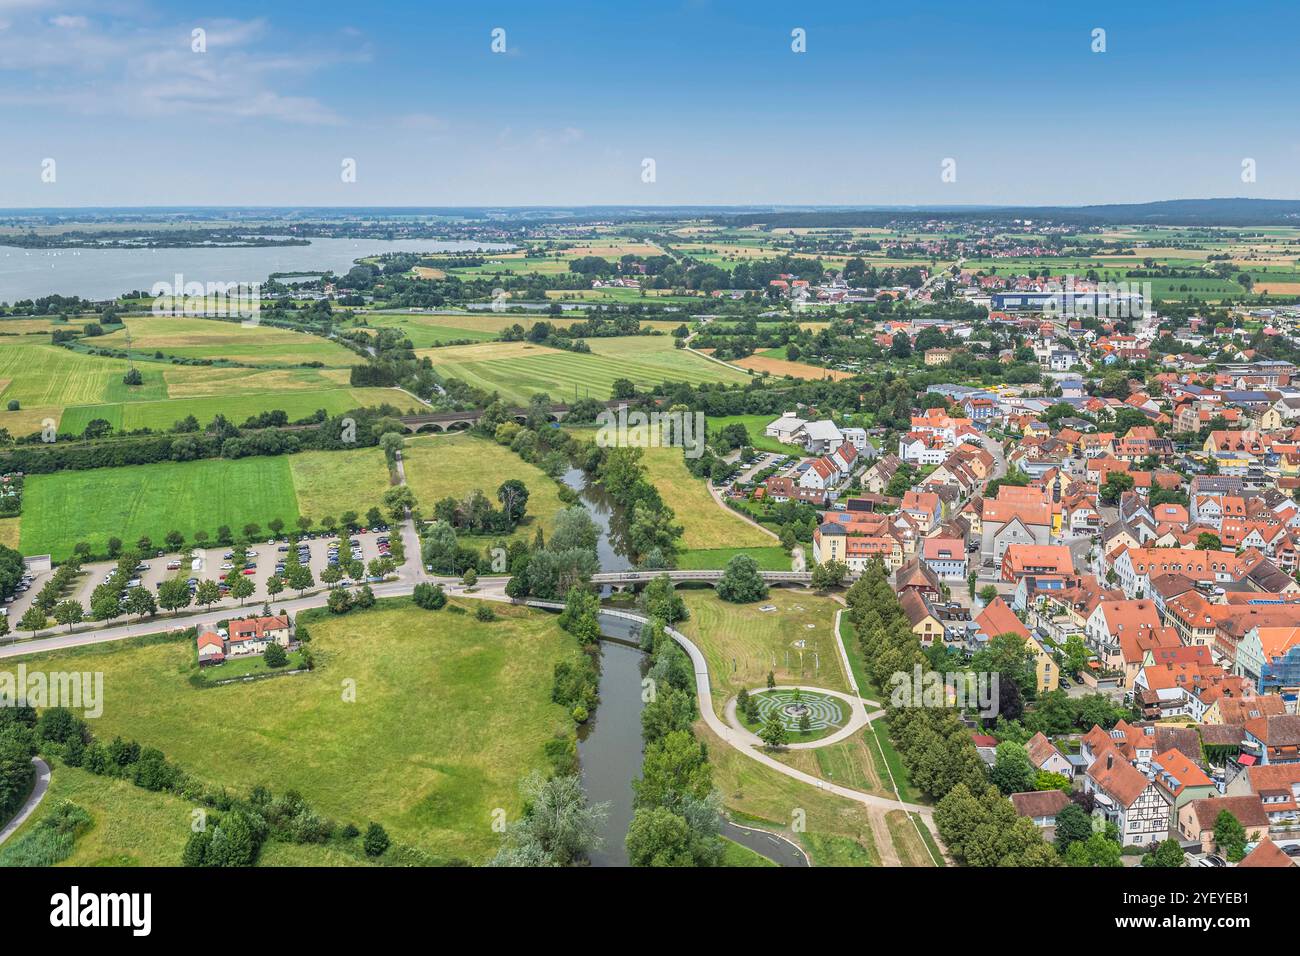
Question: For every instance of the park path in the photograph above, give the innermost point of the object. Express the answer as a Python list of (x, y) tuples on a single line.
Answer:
[(38, 794)]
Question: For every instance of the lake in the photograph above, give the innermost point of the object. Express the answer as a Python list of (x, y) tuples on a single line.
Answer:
[(108, 273)]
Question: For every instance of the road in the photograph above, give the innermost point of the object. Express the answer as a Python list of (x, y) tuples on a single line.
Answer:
[(38, 794)]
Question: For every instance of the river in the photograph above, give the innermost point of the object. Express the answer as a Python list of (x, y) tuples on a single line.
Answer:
[(108, 273), (609, 744)]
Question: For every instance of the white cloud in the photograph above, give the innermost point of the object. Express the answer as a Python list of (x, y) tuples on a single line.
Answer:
[(80, 65)]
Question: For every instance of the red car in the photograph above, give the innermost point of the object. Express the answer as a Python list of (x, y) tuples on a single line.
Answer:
[(250, 570)]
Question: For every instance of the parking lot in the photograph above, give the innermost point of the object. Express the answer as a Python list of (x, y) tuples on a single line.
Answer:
[(159, 568)]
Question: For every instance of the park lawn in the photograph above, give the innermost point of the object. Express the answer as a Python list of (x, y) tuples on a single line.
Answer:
[(708, 559), (755, 425), (705, 523), (135, 500), (448, 715), (733, 854), (755, 793), (741, 643), (852, 763), (328, 483), (518, 370), (237, 405), (455, 465), (221, 340)]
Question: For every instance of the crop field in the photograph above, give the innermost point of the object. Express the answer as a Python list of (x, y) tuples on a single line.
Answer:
[(779, 368), (449, 714), (63, 508), (707, 523), (517, 370), (237, 406), (48, 375), (441, 466), (326, 481), (741, 642), (214, 339), (197, 381)]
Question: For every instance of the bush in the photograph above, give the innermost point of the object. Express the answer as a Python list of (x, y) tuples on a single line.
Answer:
[(376, 841), (431, 597), (484, 612), (275, 656)]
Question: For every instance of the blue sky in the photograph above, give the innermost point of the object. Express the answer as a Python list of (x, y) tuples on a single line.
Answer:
[(711, 91)]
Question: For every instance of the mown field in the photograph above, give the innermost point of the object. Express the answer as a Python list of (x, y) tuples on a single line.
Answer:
[(449, 714), (63, 508), (742, 643), (238, 406), (455, 465), (517, 370), (232, 341)]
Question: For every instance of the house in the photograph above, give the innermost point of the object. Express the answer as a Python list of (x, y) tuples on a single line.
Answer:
[(878, 476), (1021, 559), (1004, 523), (1179, 779), (211, 649), (252, 635), (784, 428), (1273, 739), (1268, 853), (820, 437), (1124, 796), (1196, 819), (925, 624), (996, 618), (1277, 786), (820, 475), (1110, 619), (946, 557), (1040, 806), (781, 488), (924, 506), (917, 576), (1044, 755)]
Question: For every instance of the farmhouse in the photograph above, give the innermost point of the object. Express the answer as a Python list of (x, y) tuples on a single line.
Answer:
[(253, 635)]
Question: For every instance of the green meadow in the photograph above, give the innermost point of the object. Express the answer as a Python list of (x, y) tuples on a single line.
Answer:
[(448, 714)]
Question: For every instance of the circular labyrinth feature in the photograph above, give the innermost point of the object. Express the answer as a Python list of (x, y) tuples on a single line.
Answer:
[(824, 713)]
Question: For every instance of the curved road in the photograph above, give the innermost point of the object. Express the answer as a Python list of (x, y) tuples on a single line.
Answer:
[(38, 794)]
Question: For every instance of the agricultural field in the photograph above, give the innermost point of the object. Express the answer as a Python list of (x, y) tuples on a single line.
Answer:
[(238, 406), (449, 714), (63, 508), (456, 465), (231, 341), (706, 523), (325, 481), (780, 367), (742, 643), (517, 370), (431, 329)]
